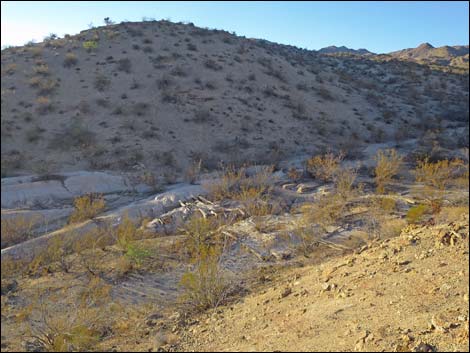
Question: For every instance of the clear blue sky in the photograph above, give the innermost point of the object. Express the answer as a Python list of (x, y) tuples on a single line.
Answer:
[(378, 26)]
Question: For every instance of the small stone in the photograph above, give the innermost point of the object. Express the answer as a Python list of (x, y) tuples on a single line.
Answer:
[(423, 347), (326, 286), (286, 292)]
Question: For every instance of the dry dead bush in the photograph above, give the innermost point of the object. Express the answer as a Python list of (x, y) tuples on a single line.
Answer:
[(17, 229), (388, 164), (87, 207), (325, 166)]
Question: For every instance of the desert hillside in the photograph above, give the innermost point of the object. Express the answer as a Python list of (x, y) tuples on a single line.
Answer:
[(455, 56), (160, 96)]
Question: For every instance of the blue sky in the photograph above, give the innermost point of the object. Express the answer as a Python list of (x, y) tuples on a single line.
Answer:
[(378, 26)]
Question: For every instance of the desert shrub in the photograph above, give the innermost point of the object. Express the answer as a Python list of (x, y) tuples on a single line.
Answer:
[(179, 71), (126, 232), (212, 64), (436, 178), (294, 174), (344, 180), (140, 108), (16, 230), (202, 115), (35, 51), (391, 228), (193, 171), (324, 167), (46, 87), (415, 214), (205, 286), (35, 81), (34, 134), (79, 330), (316, 217), (234, 182), (41, 69), (151, 180), (136, 254), (70, 60), (44, 105), (90, 45), (124, 65), (325, 94), (388, 164), (101, 82), (75, 136), (87, 207), (438, 174), (10, 69)]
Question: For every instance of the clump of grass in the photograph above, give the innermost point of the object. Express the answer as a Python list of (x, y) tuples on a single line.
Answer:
[(87, 207)]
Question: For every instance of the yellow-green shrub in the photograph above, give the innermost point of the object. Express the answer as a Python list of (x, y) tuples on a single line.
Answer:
[(86, 207)]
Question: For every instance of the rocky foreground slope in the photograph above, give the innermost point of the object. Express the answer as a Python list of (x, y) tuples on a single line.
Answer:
[(404, 294)]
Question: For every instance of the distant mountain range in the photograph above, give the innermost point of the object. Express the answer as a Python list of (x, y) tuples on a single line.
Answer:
[(335, 50), (455, 56)]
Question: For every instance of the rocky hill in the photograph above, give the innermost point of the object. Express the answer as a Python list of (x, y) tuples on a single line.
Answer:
[(162, 96), (456, 56)]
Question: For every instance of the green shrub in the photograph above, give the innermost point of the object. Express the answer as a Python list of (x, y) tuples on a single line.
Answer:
[(90, 45), (415, 213)]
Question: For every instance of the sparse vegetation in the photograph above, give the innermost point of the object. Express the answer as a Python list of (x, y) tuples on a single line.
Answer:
[(388, 164), (87, 207), (325, 167)]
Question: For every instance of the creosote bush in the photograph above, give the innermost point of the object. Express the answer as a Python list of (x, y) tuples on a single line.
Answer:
[(388, 164), (437, 177), (70, 60), (205, 286), (87, 207), (325, 166)]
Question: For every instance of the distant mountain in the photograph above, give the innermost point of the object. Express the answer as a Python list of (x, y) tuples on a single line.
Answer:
[(338, 50), (427, 54)]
